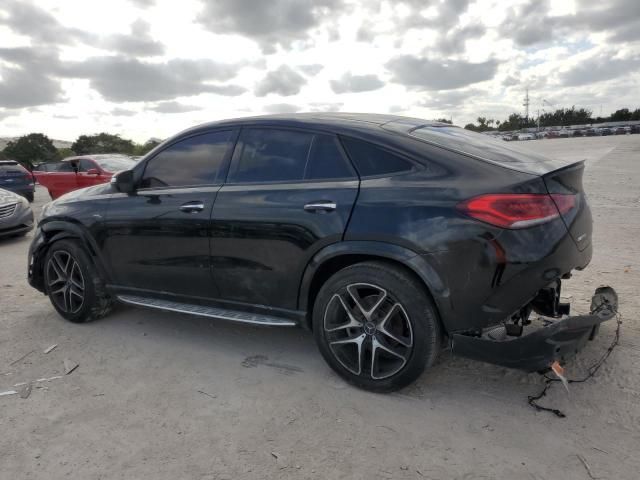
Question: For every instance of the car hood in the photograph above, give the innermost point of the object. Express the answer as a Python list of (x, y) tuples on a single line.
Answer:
[(8, 197), (89, 192)]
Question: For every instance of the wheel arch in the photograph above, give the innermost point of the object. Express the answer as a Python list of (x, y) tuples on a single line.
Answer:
[(55, 230), (337, 256)]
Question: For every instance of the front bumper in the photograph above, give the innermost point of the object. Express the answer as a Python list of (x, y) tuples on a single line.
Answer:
[(20, 221), (536, 351)]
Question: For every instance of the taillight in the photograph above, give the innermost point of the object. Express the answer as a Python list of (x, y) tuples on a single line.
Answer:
[(517, 210)]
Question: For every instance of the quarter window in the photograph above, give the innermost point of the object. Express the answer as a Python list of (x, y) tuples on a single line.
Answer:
[(194, 161), (371, 160), (269, 155)]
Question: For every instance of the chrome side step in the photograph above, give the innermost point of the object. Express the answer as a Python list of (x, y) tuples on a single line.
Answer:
[(203, 311)]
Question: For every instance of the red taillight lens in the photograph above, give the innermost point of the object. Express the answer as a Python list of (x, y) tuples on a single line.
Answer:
[(517, 210)]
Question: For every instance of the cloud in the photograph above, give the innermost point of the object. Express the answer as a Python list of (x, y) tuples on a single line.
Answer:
[(284, 81), (424, 73), (143, 3), (127, 79), (137, 44), (312, 69), (455, 40), (27, 81), (599, 68), (123, 112), (325, 106), (270, 23), (174, 107), (452, 99), (349, 83), (532, 22), (282, 108), (39, 25)]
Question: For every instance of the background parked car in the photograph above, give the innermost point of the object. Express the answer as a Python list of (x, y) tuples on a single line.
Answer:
[(15, 178), (578, 133), (605, 131), (16, 216), (620, 131), (591, 132), (73, 173)]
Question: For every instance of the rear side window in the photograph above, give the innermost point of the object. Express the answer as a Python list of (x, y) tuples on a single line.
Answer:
[(371, 160), (270, 155), (274, 155), (326, 160), (193, 161)]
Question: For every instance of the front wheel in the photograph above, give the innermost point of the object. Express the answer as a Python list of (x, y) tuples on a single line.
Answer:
[(73, 284), (376, 326)]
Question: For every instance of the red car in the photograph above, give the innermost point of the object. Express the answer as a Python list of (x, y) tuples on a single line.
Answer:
[(73, 173)]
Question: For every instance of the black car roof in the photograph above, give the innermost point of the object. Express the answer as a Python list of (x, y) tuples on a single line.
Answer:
[(334, 121)]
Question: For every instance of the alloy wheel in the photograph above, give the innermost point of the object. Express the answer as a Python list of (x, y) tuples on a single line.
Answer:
[(65, 281), (368, 331)]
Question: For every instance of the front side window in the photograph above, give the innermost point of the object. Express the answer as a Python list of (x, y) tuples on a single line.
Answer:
[(193, 161)]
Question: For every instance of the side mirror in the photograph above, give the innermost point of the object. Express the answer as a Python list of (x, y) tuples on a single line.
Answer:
[(123, 181), (93, 171)]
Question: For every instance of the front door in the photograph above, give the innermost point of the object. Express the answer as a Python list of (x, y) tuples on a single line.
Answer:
[(288, 194), (157, 239)]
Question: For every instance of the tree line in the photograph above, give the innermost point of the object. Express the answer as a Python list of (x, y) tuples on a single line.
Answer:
[(36, 148), (560, 117)]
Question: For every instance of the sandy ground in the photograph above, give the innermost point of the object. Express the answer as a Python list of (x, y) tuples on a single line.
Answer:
[(167, 396)]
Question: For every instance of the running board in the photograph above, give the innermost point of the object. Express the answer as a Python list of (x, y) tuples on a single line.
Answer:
[(203, 311)]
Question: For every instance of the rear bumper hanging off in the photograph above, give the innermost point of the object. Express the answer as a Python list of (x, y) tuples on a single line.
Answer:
[(537, 350)]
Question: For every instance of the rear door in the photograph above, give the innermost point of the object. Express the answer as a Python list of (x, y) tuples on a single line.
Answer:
[(60, 181), (157, 239), (288, 194)]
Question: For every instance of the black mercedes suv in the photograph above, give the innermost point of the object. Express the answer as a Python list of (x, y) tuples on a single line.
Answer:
[(389, 237)]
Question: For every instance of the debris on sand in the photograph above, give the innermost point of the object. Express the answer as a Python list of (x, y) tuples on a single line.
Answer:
[(69, 366), (50, 349), (25, 391), (7, 392), (21, 358)]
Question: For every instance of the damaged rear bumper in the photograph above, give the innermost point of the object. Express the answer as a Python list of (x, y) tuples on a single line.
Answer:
[(537, 350)]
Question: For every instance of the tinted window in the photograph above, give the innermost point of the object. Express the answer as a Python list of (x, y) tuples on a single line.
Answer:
[(64, 167), (483, 146), (326, 160), (371, 160), (269, 155), (116, 164), (85, 165), (193, 161)]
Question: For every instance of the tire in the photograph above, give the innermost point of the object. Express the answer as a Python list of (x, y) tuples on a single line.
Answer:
[(394, 323), (72, 283)]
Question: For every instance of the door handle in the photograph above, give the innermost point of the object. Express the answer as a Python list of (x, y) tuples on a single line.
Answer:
[(192, 207), (320, 207)]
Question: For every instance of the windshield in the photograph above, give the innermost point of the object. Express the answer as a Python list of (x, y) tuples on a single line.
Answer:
[(115, 164), (487, 148)]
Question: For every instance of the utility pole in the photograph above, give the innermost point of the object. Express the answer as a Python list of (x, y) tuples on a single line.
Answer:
[(526, 106)]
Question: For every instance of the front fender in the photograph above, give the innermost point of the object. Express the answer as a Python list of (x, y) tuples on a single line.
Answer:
[(423, 265), (52, 231)]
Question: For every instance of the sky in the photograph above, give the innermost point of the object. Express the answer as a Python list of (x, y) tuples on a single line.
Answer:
[(151, 68)]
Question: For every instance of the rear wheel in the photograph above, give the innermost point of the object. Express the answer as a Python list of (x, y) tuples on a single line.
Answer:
[(73, 284), (376, 326)]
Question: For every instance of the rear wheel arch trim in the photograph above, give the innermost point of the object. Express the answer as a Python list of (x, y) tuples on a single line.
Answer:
[(416, 263)]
